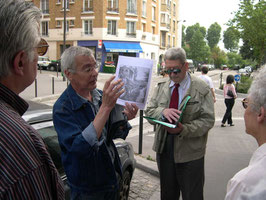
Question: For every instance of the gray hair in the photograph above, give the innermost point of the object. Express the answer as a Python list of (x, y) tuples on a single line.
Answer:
[(69, 55), (175, 54), (257, 90), (19, 30)]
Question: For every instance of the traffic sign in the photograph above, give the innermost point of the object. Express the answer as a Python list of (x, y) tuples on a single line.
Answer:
[(237, 77)]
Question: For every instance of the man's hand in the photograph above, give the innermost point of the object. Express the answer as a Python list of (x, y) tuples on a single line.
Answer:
[(111, 92), (131, 110), (171, 114), (176, 130)]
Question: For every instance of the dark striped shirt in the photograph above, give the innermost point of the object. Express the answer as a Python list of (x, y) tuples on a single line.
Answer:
[(26, 168)]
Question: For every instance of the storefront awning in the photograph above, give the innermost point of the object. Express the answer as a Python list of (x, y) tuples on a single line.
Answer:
[(122, 47)]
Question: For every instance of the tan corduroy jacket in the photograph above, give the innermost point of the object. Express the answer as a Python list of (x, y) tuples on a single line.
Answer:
[(198, 119)]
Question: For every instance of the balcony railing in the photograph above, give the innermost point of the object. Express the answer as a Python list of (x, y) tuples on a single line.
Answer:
[(45, 11), (113, 10), (90, 9), (131, 35)]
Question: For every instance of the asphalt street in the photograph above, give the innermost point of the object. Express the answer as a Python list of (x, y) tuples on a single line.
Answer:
[(228, 149)]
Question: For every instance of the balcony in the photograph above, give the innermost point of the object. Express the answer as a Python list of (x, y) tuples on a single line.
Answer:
[(133, 35), (116, 10)]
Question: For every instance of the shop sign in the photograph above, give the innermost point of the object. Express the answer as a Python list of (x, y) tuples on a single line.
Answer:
[(100, 44)]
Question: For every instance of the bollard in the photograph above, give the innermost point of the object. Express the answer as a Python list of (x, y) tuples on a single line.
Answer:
[(221, 79), (52, 85), (35, 87), (140, 130)]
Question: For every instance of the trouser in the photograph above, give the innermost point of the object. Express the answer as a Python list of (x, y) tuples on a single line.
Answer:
[(187, 178), (228, 113)]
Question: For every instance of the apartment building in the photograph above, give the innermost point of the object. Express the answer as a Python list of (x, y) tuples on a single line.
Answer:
[(138, 28)]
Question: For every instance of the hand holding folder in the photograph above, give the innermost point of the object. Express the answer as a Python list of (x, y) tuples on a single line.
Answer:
[(167, 123)]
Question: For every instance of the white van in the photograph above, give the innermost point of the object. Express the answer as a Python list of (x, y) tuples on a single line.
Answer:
[(43, 62), (191, 65)]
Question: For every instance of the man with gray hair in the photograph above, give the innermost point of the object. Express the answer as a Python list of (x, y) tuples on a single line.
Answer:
[(180, 151), (26, 168), (246, 184), (83, 117)]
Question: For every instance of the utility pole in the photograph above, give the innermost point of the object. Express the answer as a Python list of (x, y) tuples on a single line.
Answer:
[(64, 35)]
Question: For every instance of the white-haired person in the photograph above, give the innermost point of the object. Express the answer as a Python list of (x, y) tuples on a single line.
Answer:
[(26, 168), (246, 182)]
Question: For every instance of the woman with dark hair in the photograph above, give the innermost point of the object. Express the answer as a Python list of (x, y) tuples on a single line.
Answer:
[(229, 100)]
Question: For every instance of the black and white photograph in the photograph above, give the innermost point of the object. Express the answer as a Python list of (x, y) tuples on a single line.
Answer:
[(136, 75)]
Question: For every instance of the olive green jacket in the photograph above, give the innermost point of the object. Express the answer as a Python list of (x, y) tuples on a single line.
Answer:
[(198, 118)]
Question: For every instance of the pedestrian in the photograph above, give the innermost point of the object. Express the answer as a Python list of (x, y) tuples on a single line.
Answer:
[(180, 151), (83, 117), (249, 183), (229, 100), (208, 80), (26, 168)]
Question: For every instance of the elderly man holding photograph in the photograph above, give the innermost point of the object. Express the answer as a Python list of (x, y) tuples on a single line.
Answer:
[(83, 117)]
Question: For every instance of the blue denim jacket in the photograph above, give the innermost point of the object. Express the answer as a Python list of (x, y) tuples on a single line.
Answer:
[(87, 161)]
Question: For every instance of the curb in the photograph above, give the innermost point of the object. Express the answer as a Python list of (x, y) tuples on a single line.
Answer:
[(147, 165), (46, 98)]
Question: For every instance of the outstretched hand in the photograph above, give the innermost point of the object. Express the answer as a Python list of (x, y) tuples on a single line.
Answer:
[(130, 110)]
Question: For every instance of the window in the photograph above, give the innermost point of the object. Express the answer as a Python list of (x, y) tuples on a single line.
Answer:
[(58, 1), (67, 26), (72, 23), (45, 6), (87, 5), (169, 40), (111, 29), (174, 26), (144, 8), (44, 28), (132, 6), (112, 5), (163, 18), (163, 39), (153, 30), (87, 24), (153, 13), (173, 41), (58, 23), (174, 11), (131, 28), (67, 4), (143, 27)]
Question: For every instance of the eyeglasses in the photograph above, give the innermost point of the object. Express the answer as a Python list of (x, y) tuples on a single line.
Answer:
[(42, 47), (174, 70), (86, 70), (245, 103)]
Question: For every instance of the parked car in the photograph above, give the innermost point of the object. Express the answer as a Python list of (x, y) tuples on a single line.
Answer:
[(249, 69), (42, 121), (54, 65), (191, 65), (43, 62)]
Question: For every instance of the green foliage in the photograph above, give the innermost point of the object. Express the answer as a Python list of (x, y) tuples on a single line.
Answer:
[(150, 158), (231, 39), (183, 36), (244, 84), (250, 21), (191, 30), (218, 56), (213, 35), (234, 59)]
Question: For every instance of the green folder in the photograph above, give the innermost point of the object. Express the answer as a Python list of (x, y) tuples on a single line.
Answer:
[(166, 123)]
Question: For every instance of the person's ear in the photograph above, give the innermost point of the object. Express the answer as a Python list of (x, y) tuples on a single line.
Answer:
[(19, 62), (261, 115), (68, 74)]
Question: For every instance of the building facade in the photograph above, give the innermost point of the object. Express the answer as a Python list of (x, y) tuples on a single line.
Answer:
[(138, 28)]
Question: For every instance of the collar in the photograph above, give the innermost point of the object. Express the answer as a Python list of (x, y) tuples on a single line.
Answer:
[(183, 83), (259, 154), (77, 101), (13, 100)]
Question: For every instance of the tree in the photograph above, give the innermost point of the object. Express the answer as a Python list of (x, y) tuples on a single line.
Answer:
[(213, 35), (192, 29), (250, 21), (231, 39), (234, 59), (218, 56), (183, 36)]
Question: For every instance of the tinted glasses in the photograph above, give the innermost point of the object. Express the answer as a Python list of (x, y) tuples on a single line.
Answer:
[(245, 103), (175, 71), (42, 47)]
